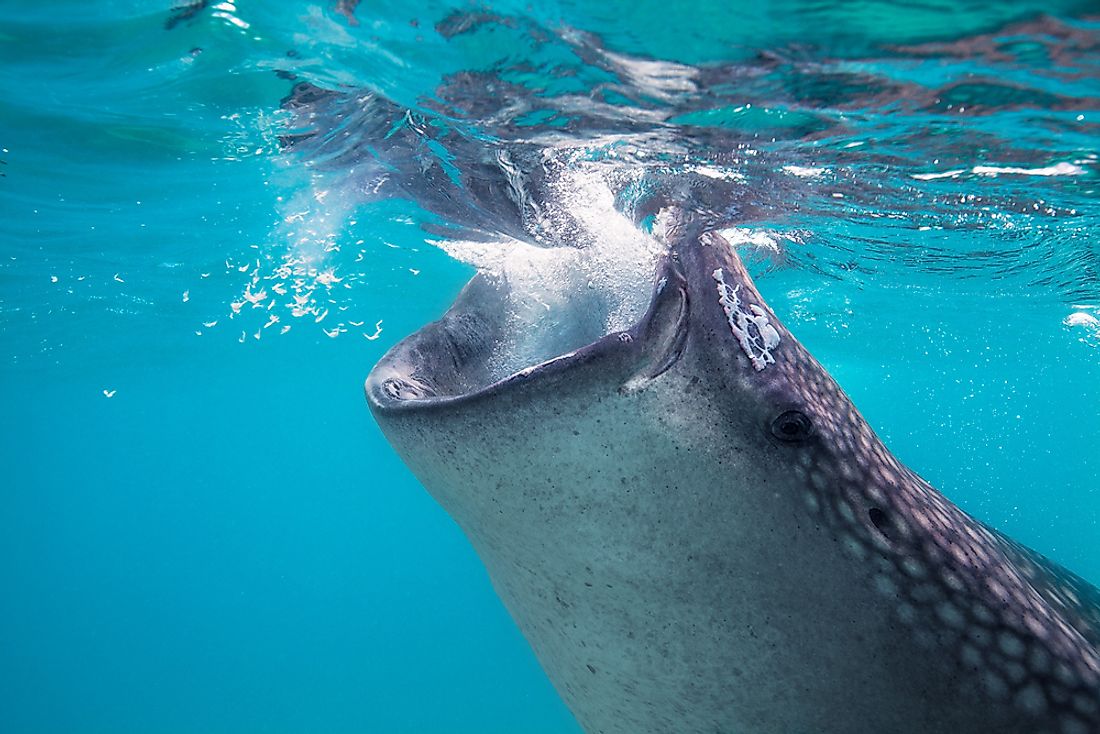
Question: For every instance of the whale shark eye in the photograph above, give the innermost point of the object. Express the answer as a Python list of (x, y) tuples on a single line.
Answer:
[(792, 426)]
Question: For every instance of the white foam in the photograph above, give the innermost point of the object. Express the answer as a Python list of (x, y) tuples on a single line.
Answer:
[(720, 174), (804, 171), (1058, 169), (1084, 320), (762, 239), (562, 298)]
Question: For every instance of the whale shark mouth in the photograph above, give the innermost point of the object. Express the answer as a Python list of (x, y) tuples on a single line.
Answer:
[(498, 335), (532, 312), (551, 301), (532, 309)]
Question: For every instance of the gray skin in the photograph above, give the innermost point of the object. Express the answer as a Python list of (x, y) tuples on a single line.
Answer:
[(693, 544)]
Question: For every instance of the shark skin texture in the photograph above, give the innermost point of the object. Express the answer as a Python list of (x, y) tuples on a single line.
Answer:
[(697, 532)]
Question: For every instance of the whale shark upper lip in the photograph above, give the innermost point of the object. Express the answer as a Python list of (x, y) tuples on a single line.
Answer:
[(397, 383), (384, 393)]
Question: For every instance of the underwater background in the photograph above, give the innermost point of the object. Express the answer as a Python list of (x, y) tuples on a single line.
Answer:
[(215, 218)]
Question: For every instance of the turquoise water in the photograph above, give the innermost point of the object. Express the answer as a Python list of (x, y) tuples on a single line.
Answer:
[(201, 529)]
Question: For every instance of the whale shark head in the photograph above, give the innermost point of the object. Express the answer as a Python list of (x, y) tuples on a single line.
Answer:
[(697, 531), (707, 342)]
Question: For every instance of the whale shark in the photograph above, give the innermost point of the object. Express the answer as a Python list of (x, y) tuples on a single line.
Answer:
[(697, 532)]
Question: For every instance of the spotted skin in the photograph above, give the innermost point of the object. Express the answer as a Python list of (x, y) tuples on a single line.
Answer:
[(1025, 629), (1017, 623), (696, 539)]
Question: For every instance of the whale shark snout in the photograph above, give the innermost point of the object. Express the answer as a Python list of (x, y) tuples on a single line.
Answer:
[(698, 532)]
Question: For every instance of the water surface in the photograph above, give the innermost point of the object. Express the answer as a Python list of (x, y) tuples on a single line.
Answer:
[(201, 528)]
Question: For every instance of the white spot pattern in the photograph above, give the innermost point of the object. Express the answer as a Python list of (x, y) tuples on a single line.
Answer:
[(750, 325)]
